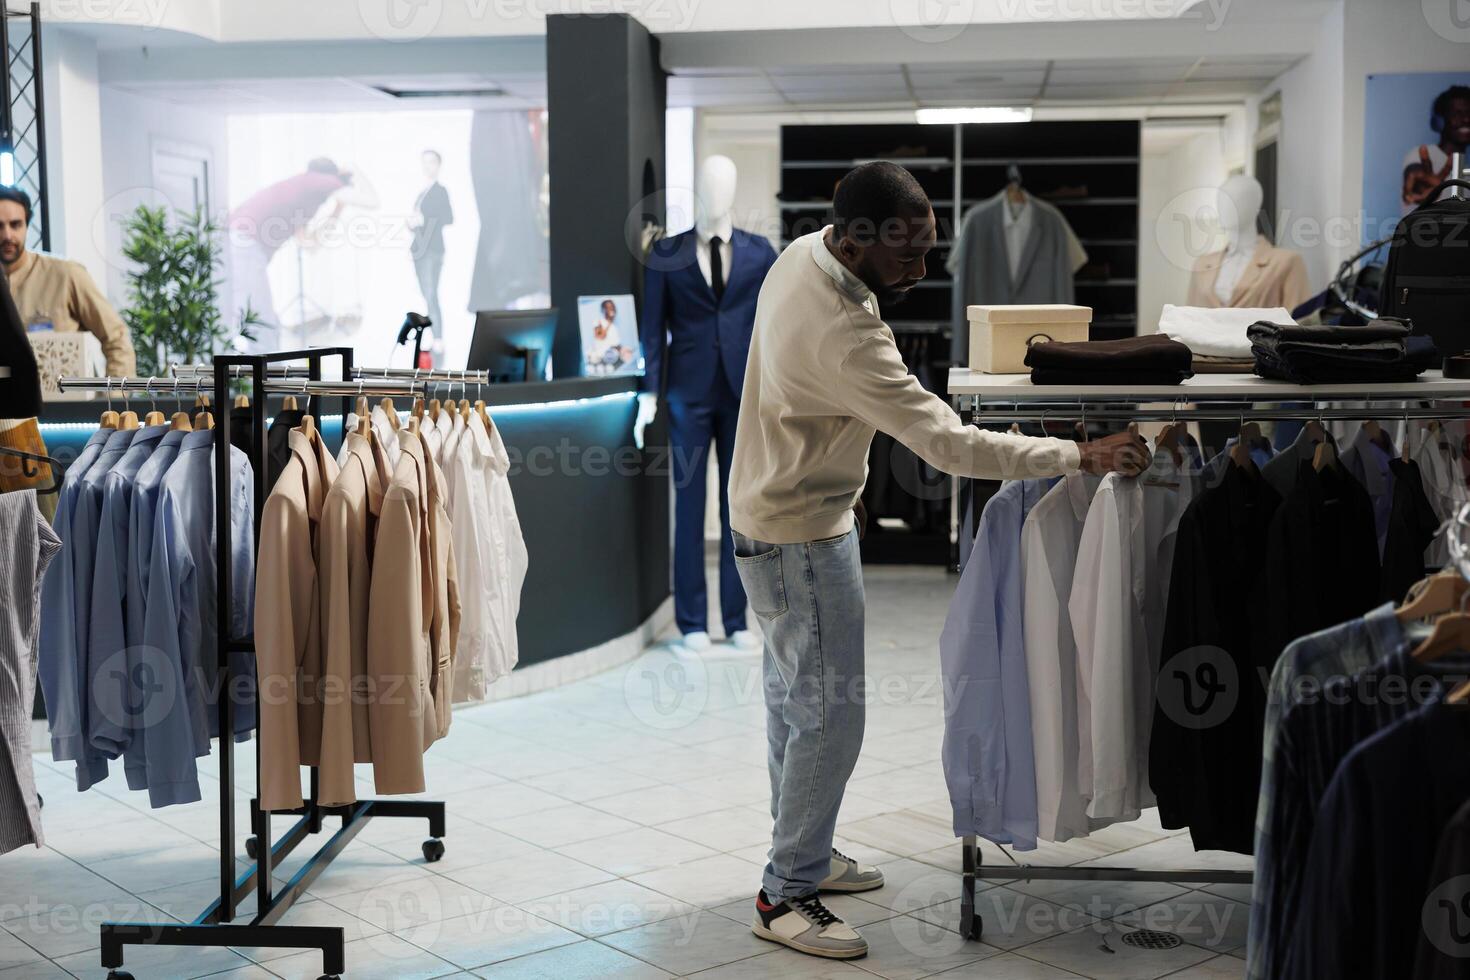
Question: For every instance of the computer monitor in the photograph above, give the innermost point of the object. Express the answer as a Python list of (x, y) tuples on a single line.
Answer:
[(513, 345)]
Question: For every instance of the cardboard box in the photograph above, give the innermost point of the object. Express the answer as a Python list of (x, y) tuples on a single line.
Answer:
[(999, 335)]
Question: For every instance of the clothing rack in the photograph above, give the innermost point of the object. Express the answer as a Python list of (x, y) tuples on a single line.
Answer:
[(215, 926), (442, 375), (1201, 398)]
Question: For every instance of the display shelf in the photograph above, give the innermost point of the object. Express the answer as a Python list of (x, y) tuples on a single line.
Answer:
[(858, 161), (1017, 389)]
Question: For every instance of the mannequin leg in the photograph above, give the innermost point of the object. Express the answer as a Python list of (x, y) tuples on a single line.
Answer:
[(732, 593), (690, 432)]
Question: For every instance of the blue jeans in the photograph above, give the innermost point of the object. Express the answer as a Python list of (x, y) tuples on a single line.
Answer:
[(808, 598)]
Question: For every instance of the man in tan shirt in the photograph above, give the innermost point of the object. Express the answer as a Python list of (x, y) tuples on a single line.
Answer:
[(58, 292), (823, 375)]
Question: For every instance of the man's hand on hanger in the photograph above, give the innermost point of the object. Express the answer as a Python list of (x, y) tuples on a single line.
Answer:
[(1124, 453)]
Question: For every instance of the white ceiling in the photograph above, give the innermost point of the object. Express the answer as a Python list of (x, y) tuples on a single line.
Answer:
[(1132, 81)]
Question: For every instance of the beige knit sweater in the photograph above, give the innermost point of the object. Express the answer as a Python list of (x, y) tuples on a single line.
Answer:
[(824, 374)]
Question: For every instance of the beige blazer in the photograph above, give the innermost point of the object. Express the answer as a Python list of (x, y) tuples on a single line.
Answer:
[(287, 628), (1274, 277), (444, 627), (408, 611), (348, 528)]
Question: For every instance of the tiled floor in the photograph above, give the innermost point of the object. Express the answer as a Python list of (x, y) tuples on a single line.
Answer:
[(616, 827)]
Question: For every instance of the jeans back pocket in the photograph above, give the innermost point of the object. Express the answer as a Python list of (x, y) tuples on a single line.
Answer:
[(763, 581)]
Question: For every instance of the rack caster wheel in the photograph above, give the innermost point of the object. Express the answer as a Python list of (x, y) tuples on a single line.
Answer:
[(433, 850), (252, 848), (329, 976), (119, 975), (977, 927)]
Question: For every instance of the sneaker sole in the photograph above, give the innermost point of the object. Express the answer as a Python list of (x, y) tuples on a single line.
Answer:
[(831, 954), (850, 886)]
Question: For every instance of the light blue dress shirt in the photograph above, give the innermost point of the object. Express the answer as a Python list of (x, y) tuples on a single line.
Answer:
[(180, 620), (87, 516), (988, 761), (107, 712), (139, 558), (57, 645)]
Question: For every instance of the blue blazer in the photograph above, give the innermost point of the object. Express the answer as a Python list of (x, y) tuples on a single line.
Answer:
[(683, 329)]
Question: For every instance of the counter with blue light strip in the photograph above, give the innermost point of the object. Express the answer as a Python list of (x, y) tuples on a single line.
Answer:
[(594, 510)]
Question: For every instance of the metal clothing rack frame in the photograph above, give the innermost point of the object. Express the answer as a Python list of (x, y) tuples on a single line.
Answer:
[(215, 926), (1222, 398)]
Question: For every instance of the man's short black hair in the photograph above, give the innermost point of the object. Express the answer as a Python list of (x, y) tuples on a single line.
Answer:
[(874, 194), (19, 197), (322, 165), (1441, 106)]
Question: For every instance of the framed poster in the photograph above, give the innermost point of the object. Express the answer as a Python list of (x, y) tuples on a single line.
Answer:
[(1412, 124), (609, 334)]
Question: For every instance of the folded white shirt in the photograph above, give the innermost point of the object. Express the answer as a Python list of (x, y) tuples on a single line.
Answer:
[(1218, 332)]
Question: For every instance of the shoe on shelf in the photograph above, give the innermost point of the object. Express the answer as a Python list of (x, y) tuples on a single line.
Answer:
[(746, 639), (696, 642), (807, 926), (849, 876)]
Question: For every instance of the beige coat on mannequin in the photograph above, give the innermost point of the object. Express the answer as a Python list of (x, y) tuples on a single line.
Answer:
[(1274, 277)]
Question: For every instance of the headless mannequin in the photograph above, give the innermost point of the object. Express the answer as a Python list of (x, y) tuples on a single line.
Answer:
[(1240, 200), (714, 200), (1249, 272)]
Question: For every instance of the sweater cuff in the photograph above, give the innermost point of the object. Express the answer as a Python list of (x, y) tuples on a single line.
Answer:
[(1071, 456)]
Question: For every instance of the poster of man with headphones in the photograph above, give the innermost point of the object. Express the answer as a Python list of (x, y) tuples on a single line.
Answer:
[(1413, 124)]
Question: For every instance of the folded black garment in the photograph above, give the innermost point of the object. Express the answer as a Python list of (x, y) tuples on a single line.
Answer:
[(1132, 360), (1403, 359), (1071, 376), (1381, 329)]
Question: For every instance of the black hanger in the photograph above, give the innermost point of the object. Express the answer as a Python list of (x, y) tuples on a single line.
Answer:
[(28, 471)]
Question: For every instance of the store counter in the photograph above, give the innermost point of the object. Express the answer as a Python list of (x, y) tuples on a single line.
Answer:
[(594, 510)]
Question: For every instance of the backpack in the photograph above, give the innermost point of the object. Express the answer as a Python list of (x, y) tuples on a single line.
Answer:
[(1427, 279)]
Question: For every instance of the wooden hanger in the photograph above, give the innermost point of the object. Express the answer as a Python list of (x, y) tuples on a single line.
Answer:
[(434, 406), (1376, 435), (181, 423), (465, 410), (308, 429), (155, 418), (128, 421), (484, 415), (418, 409), (364, 426), (1451, 635), (1015, 428), (1324, 456), (288, 404), (1432, 596), (1240, 453), (1168, 441), (413, 425), (242, 401), (204, 420), (387, 406), (109, 420), (201, 400), (363, 409)]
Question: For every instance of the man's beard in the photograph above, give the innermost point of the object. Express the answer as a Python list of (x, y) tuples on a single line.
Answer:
[(889, 297), (9, 253)]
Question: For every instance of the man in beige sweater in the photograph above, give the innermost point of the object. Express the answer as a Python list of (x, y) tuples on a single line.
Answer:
[(823, 375)]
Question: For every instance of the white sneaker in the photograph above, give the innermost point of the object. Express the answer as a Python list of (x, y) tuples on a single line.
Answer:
[(746, 639), (697, 642), (807, 926)]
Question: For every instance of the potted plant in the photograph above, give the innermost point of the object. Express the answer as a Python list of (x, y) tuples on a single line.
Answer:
[(173, 290)]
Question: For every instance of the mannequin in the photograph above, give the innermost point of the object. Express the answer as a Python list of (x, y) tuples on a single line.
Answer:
[(699, 295), (1249, 271)]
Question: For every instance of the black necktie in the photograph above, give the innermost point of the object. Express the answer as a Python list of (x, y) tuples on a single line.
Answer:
[(716, 268)]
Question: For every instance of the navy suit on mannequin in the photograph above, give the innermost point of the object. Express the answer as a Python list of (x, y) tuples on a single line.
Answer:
[(696, 335)]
